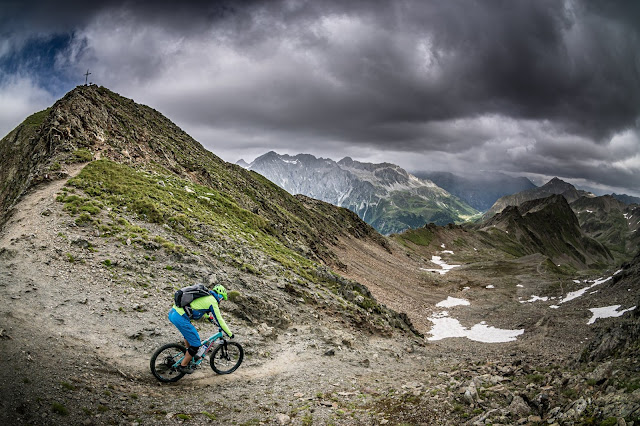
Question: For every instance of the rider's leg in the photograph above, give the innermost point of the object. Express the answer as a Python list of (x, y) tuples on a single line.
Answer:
[(191, 336), (187, 355)]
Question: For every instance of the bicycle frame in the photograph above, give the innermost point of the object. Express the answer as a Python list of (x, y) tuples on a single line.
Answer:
[(210, 342)]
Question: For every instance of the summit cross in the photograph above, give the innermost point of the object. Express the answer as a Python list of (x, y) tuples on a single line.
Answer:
[(86, 76)]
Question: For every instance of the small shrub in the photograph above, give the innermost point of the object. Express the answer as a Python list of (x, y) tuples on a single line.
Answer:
[(81, 155), (209, 415), (60, 409), (233, 295), (183, 416), (55, 167), (535, 378), (107, 262), (307, 420), (83, 218), (70, 258), (67, 386)]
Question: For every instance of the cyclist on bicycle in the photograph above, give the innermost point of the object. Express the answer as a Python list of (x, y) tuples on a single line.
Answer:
[(201, 308)]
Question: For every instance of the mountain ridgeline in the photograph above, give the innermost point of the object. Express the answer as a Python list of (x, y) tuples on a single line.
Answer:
[(383, 195), (612, 222), (481, 189), (554, 186), (94, 123)]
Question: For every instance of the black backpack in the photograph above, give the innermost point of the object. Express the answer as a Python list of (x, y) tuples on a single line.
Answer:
[(186, 295)]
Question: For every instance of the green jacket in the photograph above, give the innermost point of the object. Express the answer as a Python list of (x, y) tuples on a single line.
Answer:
[(204, 305)]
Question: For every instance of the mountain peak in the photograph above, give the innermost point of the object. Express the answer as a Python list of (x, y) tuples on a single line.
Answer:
[(557, 182)]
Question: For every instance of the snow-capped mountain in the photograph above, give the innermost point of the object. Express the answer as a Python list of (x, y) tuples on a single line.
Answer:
[(383, 195)]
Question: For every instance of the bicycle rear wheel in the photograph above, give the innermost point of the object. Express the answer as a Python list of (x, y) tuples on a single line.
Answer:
[(163, 360), (226, 358)]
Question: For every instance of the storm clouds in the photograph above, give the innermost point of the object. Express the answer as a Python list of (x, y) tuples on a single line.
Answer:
[(537, 88)]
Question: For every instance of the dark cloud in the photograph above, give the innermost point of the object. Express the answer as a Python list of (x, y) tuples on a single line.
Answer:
[(529, 85)]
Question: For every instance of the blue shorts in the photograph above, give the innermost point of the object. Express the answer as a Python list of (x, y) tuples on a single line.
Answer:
[(185, 327)]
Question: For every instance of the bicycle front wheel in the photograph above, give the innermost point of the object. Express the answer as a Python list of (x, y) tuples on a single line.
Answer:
[(226, 358), (163, 361)]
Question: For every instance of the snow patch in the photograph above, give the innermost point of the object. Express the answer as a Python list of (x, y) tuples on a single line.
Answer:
[(452, 301), (447, 251), (578, 293), (438, 261), (607, 312), (490, 286), (444, 327), (535, 298)]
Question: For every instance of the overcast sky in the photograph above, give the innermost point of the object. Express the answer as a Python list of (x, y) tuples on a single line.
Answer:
[(536, 88)]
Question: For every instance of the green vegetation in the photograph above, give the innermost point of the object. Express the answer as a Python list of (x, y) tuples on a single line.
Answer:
[(81, 155), (36, 119), (421, 237), (183, 416), (534, 378), (195, 212), (74, 203), (307, 419), (60, 409), (233, 295), (67, 386), (209, 415)]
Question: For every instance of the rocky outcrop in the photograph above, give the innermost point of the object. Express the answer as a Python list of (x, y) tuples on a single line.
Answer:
[(546, 226)]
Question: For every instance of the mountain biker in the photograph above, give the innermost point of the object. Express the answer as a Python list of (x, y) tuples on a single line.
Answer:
[(201, 307)]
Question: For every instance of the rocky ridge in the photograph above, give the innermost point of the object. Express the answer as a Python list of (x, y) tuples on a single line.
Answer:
[(554, 187), (548, 226)]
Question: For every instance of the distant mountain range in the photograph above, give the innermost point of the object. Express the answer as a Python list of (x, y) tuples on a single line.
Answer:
[(480, 190), (554, 187), (383, 195), (627, 199), (608, 220)]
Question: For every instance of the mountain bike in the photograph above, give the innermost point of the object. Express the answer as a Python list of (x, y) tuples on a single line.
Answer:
[(225, 358)]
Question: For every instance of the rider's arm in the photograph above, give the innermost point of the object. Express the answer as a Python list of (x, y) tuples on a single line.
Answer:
[(216, 313)]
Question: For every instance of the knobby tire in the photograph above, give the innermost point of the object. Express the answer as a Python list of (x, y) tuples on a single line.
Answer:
[(162, 361), (226, 358)]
